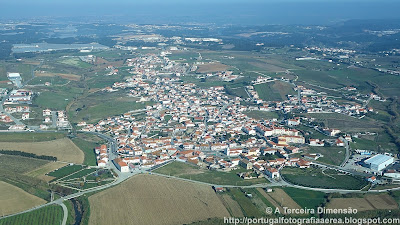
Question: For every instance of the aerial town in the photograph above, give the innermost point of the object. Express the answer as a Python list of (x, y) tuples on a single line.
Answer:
[(198, 123)]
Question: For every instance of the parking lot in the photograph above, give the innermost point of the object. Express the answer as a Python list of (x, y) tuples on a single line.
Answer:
[(355, 164)]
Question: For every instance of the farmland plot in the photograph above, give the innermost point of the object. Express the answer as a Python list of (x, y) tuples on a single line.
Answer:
[(155, 200)]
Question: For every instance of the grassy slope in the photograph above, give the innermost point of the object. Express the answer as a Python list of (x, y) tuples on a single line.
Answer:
[(88, 149), (313, 177)]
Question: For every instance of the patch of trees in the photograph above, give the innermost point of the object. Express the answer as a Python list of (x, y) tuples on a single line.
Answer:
[(28, 155), (5, 50)]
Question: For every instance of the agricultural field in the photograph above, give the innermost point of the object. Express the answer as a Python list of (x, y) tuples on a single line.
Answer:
[(262, 115), (231, 205), (330, 76), (64, 149), (19, 164), (345, 123), (184, 56), (65, 171), (375, 143), (176, 202), (85, 179), (76, 62), (315, 177), (368, 202), (66, 76), (48, 215), (30, 137), (188, 171), (248, 206), (87, 148), (306, 198), (211, 67), (56, 98), (100, 105), (41, 172), (331, 155), (311, 132), (14, 199), (245, 62), (53, 80), (13, 169), (237, 91), (283, 199), (274, 91)]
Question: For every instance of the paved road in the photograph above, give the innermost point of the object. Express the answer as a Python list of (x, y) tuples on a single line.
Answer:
[(65, 210), (347, 147)]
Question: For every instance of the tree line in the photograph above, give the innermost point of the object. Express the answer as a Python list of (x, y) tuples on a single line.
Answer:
[(28, 155)]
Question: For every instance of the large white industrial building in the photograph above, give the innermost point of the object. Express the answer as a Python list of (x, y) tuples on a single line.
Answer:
[(379, 162)]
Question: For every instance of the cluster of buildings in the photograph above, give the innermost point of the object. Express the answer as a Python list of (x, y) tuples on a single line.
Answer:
[(206, 127), (5, 118), (20, 96), (201, 126), (101, 155)]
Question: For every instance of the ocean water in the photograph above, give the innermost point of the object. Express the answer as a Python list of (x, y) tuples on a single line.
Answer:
[(218, 12)]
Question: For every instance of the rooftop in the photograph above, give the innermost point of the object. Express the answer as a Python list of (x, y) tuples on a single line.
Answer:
[(378, 159)]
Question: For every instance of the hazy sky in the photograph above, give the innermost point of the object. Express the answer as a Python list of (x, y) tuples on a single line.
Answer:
[(217, 11)]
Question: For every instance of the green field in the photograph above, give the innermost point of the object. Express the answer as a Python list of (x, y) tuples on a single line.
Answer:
[(315, 177), (30, 137), (102, 81), (79, 174), (56, 80), (363, 144), (274, 91), (239, 91), (76, 62), (381, 142), (258, 115), (64, 171), (87, 148), (248, 208), (344, 122), (57, 98), (98, 106), (306, 198), (13, 168), (311, 132), (49, 215), (19, 164), (332, 155), (193, 172), (103, 110)]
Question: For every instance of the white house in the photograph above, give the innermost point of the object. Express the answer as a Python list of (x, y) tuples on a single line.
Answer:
[(121, 165), (272, 172)]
